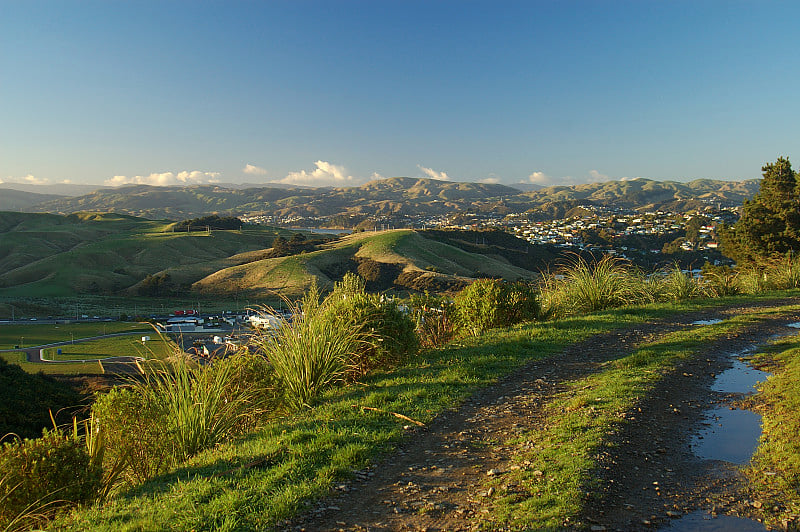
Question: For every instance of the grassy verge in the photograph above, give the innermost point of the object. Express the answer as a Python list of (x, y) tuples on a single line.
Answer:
[(42, 334), (774, 473), (157, 347), (78, 368), (555, 476)]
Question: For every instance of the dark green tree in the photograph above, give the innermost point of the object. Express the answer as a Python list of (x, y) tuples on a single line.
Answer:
[(280, 246), (770, 223), (693, 228)]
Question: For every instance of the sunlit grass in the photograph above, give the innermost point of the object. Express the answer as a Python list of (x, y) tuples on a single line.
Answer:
[(66, 368), (775, 470), (566, 448), (158, 347), (29, 335)]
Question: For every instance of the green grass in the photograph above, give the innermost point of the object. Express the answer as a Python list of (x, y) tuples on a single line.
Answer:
[(157, 347), (774, 473), (30, 335), (567, 447), (304, 453), (292, 275), (298, 457), (78, 368), (48, 255)]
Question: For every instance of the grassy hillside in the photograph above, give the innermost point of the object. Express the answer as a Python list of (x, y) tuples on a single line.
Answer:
[(51, 255), (14, 200), (404, 250)]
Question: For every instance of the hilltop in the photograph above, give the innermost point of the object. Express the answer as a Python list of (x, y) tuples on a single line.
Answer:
[(402, 259), (397, 197)]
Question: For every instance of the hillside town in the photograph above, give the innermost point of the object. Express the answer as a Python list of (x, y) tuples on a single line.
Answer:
[(594, 228)]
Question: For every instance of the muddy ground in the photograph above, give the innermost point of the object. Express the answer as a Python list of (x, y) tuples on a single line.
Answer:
[(437, 480)]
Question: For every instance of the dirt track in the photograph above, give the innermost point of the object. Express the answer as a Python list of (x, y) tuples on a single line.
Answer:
[(437, 480)]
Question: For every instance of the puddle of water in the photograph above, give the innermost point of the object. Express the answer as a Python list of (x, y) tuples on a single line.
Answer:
[(705, 522), (706, 322), (729, 435), (741, 378), (795, 325)]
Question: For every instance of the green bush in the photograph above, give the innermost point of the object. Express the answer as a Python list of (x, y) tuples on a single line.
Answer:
[(136, 431), (28, 399), (389, 333), (44, 474), (336, 340), (490, 303)]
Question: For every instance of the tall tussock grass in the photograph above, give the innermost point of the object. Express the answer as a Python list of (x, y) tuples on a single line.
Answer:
[(334, 340), (675, 285), (310, 353), (582, 286), (174, 412), (196, 404)]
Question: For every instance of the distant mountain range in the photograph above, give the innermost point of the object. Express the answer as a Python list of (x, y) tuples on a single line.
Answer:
[(395, 196)]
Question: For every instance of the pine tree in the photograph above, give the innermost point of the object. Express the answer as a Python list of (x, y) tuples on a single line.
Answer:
[(770, 223)]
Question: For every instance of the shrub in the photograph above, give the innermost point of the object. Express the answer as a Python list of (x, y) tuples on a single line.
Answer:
[(124, 412), (389, 334), (27, 399), (490, 303), (44, 474)]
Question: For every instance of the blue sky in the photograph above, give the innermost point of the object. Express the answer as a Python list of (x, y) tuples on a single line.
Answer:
[(341, 92)]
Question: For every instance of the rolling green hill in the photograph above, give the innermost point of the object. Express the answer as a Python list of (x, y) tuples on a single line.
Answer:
[(47, 255), (51, 255), (402, 251)]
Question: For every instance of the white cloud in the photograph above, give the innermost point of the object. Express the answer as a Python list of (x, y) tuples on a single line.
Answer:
[(375, 176), (326, 174), (490, 180), (254, 170), (29, 179), (597, 176), (539, 178), (195, 177), (433, 174)]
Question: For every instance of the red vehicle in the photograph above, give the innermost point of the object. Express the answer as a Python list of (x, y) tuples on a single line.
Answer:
[(189, 312)]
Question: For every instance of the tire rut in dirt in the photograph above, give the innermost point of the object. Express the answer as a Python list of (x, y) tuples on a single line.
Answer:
[(436, 480), (647, 472)]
